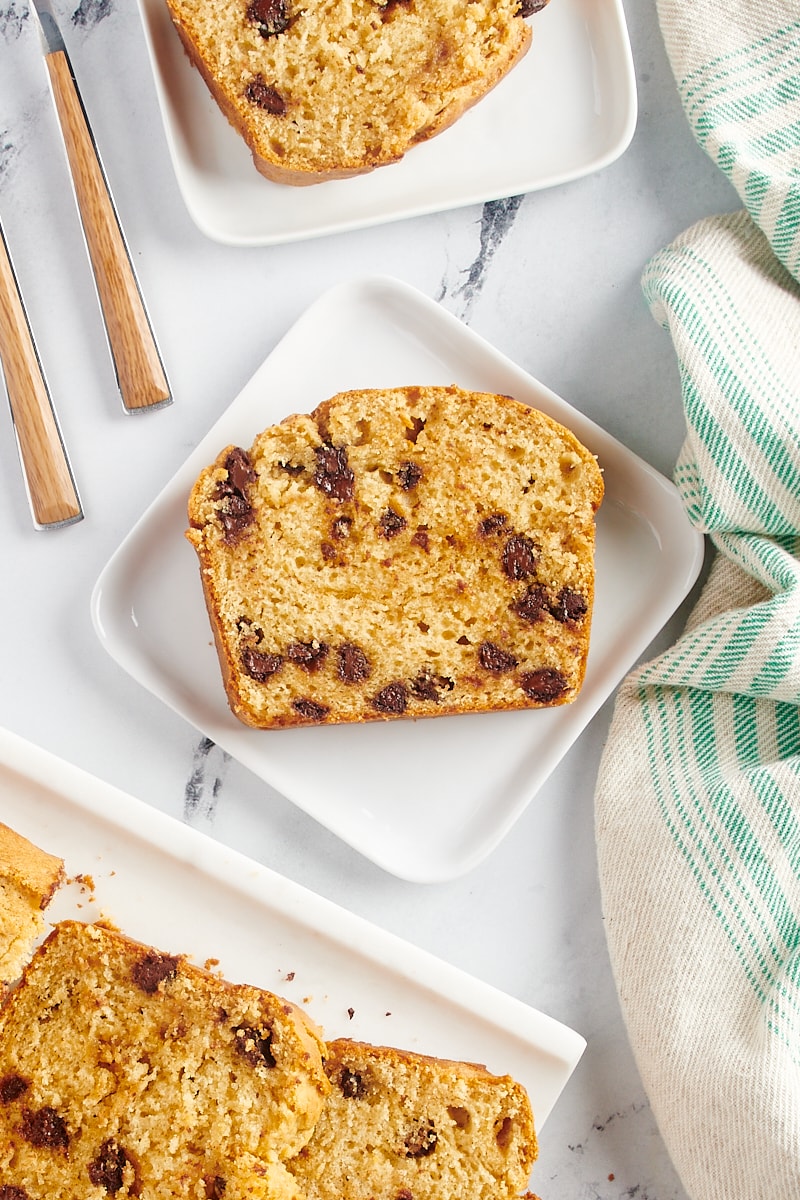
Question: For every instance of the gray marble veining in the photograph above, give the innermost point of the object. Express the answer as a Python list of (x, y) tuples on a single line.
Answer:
[(552, 280)]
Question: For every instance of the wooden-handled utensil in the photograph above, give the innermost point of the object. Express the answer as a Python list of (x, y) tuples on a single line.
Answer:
[(140, 373), (48, 478)]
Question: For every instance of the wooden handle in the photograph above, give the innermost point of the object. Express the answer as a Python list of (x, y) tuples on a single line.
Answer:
[(141, 377), (51, 489)]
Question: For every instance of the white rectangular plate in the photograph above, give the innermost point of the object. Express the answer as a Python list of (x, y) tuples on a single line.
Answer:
[(175, 888), (568, 109), (463, 780)]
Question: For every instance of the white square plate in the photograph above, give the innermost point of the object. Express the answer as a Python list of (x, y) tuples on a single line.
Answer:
[(177, 889), (568, 109), (463, 780)]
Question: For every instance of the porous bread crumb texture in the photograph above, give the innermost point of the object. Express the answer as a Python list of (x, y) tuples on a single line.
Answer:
[(128, 1072), (29, 877), (323, 89), (413, 552), (406, 1127)]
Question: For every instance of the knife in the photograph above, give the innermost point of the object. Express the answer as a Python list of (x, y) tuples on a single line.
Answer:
[(51, 488), (140, 372)]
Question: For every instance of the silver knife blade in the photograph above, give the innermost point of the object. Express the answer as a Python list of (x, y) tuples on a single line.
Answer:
[(51, 34)]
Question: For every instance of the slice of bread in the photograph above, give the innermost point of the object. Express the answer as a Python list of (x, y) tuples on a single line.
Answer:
[(325, 89), (402, 1126), (29, 877), (410, 552), (125, 1071)]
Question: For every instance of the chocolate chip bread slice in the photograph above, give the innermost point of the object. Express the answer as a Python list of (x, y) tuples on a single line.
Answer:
[(412, 552), (128, 1072), (29, 877), (407, 1127), (325, 89)]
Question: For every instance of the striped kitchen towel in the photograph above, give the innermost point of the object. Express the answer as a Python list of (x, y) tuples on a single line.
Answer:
[(697, 806)]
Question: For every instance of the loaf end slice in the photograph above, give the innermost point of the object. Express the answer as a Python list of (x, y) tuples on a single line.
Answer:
[(29, 877)]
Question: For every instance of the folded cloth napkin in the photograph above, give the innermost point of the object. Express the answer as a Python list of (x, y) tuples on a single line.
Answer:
[(697, 806)]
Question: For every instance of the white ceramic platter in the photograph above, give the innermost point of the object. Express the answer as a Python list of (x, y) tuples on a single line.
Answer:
[(463, 780), (179, 890), (568, 109)]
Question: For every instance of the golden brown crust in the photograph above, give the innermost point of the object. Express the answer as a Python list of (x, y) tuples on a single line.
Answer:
[(28, 866), (449, 570)]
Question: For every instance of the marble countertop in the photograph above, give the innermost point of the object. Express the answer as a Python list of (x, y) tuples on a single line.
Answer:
[(552, 280)]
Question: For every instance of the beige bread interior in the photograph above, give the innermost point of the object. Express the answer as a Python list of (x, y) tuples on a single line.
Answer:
[(399, 1125), (325, 89), (128, 1072), (410, 552)]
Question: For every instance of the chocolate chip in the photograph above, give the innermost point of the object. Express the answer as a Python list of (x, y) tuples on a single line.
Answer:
[(492, 525), (351, 1084), (309, 709), (107, 1170), (309, 655), (215, 1187), (260, 666), (528, 7), (493, 659), (428, 686), (417, 424), (240, 470), (255, 1046), (570, 606), (9, 1192), (421, 539), (391, 699), (390, 8), (503, 1132), (12, 1087), (421, 1141), (259, 92), (341, 527), (236, 515), (545, 685), (409, 475), (291, 468), (270, 16), (333, 475), (404, 1194), (519, 556), (235, 510), (45, 1129), (152, 970), (352, 665), (391, 523), (532, 605)]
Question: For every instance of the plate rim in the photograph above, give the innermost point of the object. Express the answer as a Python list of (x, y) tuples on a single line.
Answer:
[(131, 818), (604, 156), (689, 541)]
